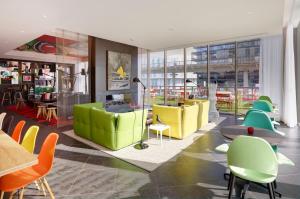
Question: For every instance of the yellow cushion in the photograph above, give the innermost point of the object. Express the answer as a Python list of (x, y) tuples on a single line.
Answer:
[(171, 116), (182, 120), (189, 120), (203, 110)]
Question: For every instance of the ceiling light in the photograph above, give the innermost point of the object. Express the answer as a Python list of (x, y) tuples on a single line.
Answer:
[(22, 31), (249, 12), (45, 16)]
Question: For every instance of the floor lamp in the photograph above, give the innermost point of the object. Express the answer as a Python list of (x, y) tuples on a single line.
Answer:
[(141, 145)]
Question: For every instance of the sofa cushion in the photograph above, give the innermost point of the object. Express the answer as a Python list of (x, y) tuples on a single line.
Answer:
[(103, 128), (81, 122)]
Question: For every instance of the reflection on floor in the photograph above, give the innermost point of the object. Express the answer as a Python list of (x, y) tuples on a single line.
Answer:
[(197, 172)]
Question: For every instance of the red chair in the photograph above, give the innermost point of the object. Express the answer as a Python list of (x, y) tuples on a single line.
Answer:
[(16, 135), (20, 179)]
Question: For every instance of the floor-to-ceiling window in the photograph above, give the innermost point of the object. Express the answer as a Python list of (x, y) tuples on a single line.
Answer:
[(248, 59), (157, 78), (174, 76), (234, 66), (196, 72), (222, 71)]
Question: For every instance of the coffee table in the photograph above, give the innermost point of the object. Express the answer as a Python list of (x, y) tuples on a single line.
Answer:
[(159, 128)]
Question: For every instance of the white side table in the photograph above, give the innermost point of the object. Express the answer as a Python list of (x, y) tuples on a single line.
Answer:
[(159, 128)]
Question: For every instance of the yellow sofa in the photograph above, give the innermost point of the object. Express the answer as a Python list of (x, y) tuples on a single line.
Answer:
[(203, 110), (182, 120)]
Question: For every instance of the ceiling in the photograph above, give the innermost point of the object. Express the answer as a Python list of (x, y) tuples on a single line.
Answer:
[(150, 24)]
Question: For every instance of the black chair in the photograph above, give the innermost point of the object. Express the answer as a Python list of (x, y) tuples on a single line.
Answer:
[(7, 124)]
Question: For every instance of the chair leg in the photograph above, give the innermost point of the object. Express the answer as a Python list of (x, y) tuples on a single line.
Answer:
[(246, 187), (231, 186), (2, 195), (229, 181), (42, 187), (37, 185), (275, 184), (48, 188), (12, 195), (271, 192), (21, 194)]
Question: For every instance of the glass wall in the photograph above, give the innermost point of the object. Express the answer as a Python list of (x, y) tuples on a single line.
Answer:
[(187, 72), (248, 59), (196, 72), (222, 71), (157, 78), (175, 76), (72, 74)]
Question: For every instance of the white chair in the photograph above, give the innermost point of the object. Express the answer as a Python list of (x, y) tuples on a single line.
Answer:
[(2, 116)]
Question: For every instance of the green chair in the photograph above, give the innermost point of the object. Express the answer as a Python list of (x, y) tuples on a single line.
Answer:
[(263, 105), (241, 153), (266, 98)]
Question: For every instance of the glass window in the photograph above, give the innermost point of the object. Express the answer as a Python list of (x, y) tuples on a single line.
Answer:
[(175, 76), (222, 71), (248, 58), (156, 87), (196, 72)]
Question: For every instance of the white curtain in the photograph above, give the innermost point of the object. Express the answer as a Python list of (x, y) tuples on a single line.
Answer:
[(289, 115), (271, 69)]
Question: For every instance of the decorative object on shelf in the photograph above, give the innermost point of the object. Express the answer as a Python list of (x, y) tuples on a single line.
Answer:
[(118, 69), (213, 113), (141, 145)]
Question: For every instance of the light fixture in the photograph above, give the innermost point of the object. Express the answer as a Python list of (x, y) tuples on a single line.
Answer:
[(44, 16), (249, 12), (22, 31)]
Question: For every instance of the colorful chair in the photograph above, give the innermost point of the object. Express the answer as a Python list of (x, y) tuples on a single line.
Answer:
[(263, 170), (2, 116), (263, 105), (266, 98), (28, 141), (20, 179), (7, 123), (16, 135)]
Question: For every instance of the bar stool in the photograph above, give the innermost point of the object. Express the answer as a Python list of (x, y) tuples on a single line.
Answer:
[(41, 110), (20, 103), (17, 95), (6, 97), (51, 113)]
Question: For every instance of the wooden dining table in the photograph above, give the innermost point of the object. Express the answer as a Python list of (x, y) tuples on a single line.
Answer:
[(13, 156)]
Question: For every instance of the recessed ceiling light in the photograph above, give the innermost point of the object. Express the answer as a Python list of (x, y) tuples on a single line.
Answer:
[(249, 12), (45, 16), (22, 31)]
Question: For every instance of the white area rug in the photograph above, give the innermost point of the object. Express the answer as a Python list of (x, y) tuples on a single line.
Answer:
[(152, 157)]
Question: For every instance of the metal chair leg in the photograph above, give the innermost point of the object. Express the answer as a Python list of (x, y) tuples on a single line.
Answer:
[(271, 191), (231, 186)]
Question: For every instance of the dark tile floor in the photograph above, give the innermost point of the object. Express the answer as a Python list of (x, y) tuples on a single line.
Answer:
[(197, 172)]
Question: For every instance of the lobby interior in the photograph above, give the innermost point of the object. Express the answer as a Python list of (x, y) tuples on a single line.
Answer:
[(150, 99)]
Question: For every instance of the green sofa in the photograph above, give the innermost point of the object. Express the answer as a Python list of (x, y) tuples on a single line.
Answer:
[(111, 130)]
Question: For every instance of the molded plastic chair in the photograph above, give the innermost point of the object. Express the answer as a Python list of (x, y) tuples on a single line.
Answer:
[(2, 116), (16, 135), (258, 119), (28, 141), (7, 123), (263, 105), (241, 153), (20, 179), (266, 98)]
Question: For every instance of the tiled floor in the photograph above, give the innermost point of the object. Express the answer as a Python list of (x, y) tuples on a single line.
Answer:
[(197, 172)]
